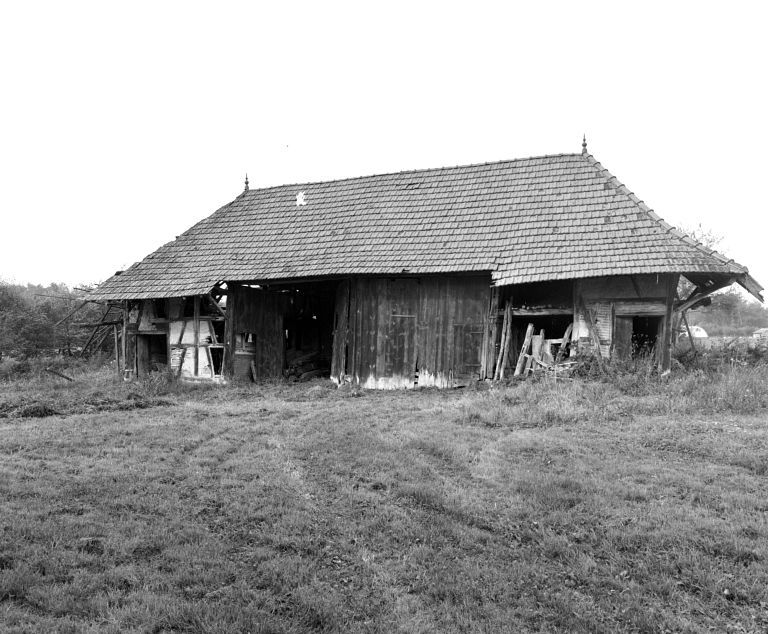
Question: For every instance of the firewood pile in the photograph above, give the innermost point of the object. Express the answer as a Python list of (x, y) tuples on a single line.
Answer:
[(302, 366), (538, 354)]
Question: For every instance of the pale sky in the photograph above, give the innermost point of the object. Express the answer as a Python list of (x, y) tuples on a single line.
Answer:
[(122, 124)]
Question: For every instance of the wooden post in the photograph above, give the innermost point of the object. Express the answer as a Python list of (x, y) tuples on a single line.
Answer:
[(498, 373), (665, 358), (196, 325), (524, 350), (488, 360), (340, 332), (125, 333), (497, 369), (593, 333), (229, 332), (117, 351), (168, 346), (507, 339)]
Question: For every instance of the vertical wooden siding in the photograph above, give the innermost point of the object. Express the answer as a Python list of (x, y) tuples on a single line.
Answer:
[(614, 300), (340, 332), (398, 332), (261, 313)]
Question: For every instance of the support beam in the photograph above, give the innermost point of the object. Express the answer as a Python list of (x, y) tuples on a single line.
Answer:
[(117, 350), (665, 358), (700, 293), (750, 284), (228, 366), (593, 333), (215, 304), (196, 323)]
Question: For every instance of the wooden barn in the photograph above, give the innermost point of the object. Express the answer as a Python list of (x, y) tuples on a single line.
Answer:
[(418, 278)]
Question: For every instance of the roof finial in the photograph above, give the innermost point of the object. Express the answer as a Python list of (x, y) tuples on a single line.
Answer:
[(246, 182), (584, 145)]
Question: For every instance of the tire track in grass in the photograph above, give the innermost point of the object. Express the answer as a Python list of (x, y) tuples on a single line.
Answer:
[(344, 459), (404, 539), (265, 516)]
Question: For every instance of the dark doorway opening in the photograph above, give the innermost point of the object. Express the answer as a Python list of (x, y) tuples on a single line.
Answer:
[(308, 325), (217, 359), (645, 333), (151, 353)]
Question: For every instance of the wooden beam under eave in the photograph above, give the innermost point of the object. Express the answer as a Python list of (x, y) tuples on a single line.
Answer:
[(700, 293), (749, 283)]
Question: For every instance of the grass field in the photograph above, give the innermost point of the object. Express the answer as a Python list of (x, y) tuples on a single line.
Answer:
[(620, 506)]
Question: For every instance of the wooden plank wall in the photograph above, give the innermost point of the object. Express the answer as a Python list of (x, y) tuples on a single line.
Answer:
[(453, 318), (398, 332), (340, 332), (259, 312), (614, 300)]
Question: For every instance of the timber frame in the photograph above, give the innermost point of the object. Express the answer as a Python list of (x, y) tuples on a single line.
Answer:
[(397, 331)]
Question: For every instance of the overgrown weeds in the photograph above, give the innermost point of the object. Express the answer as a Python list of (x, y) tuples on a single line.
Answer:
[(38, 393), (36, 367), (619, 394)]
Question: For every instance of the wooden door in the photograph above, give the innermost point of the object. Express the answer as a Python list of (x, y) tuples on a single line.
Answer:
[(467, 350), (622, 338), (400, 339)]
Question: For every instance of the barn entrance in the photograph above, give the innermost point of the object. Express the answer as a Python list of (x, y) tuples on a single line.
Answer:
[(282, 330), (151, 353), (636, 335), (402, 332), (308, 326)]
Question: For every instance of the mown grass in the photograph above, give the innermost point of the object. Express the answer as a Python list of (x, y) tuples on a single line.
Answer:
[(621, 506)]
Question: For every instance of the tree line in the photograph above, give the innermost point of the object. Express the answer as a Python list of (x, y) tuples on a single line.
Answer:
[(30, 316), (730, 314)]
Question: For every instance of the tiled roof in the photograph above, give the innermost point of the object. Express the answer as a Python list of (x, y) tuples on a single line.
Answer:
[(525, 220)]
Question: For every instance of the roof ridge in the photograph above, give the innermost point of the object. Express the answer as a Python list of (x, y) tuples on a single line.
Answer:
[(419, 170), (668, 228)]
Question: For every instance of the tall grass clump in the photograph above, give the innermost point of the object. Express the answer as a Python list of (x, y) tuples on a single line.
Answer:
[(31, 368), (619, 392), (704, 386), (740, 389)]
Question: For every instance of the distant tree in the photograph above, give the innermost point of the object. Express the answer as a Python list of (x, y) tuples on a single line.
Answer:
[(730, 314), (29, 316), (706, 237)]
